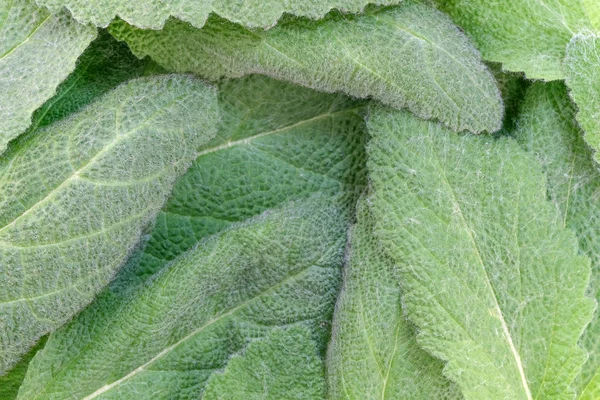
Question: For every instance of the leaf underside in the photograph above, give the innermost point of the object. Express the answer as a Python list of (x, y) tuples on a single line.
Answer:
[(409, 56), (524, 35), (77, 195), (582, 66), (547, 127), (37, 52), (373, 353), (152, 14), (483, 258), (276, 143)]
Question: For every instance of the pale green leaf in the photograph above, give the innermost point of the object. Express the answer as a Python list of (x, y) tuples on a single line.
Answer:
[(592, 9), (547, 128), (277, 143), (409, 56), (489, 275), (104, 65), (37, 52), (76, 196), (169, 336), (152, 14), (582, 66), (257, 374), (373, 353), (524, 35)]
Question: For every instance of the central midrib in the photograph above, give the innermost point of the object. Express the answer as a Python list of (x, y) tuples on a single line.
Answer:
[(249, 139), (167, 350), (505, 330), (75, 174)]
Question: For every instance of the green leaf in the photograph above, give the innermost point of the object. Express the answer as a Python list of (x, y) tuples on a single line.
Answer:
[(547, 128), (524, 35), (104, 65), (37, 52), (592, 10), (582, 66), (489, 275), (276, 270), (512, 86), (77, 195), (410, 56), (10, 383), (277, 143), (152, 14), (373, 353), (257, 374)]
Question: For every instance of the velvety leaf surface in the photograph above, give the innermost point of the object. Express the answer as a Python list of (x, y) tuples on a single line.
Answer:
[(489, 275), (373, 353), (582, 66), (277, 143), (152, 14), (249, 377), (547, 128), (76, 196), (274, 271), (37, 52), (409, 56), (524, 35), (104, 65)]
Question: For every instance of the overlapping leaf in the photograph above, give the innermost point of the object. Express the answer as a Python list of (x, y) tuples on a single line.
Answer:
[(152, 14), (37, 52), (284, 365), (373, 352), (582, 66), (11, 381), (525, 35), (76, 196), (490, 276), (547, 128), (277, 143), (410, 56), (170, 336), (104, 65)]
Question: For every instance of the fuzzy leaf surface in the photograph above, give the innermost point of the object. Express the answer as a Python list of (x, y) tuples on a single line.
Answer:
[(38, 51), (76, 197), (276, 143), (373, 353), (524, 35), (170, 335), (582, 66), (103, 66), (547, 127), (490, 276), (152, 14), (257, 373), (410, 56)]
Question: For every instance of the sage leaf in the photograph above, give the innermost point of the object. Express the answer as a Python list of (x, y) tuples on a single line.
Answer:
[(37, 52), (524, 35), (76, 197), (410, 56), (491, 278), (583, 71), (548, 129), (152, 14), (277, 143), (373, 353)]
